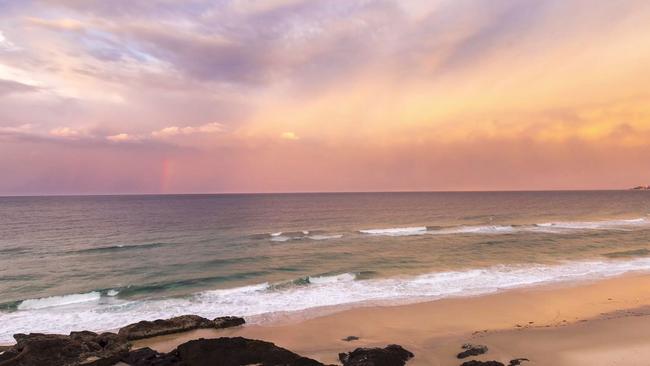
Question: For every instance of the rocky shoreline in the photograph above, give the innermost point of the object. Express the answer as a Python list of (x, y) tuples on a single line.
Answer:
[(115, 349)]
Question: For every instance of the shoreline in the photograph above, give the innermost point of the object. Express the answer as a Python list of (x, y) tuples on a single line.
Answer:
[(264, 303), (596, 322), (558, 318)]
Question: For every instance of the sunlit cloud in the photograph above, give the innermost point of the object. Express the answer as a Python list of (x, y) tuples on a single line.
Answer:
[(470, 94), (289, 136), (56, 24), (187, 130), (122, 137), (5, 44), (66, 132)]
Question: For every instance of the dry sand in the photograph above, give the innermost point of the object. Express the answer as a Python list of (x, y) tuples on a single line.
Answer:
[(605, 322)]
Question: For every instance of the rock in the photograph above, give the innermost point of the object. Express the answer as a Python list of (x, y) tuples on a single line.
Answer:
[(146, 329), (517, 361), (238, 351), (482, 363), (7, 354), (79, 348), (392, 355), (472, 350), (350, 338), (228, 321), (148, 357)]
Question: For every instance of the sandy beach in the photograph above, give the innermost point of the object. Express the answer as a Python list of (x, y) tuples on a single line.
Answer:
[(604, 322)]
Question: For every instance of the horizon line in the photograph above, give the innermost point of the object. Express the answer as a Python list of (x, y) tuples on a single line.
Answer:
[(314, 192)]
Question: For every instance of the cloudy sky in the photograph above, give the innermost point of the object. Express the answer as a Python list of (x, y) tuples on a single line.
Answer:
[(143, 96)]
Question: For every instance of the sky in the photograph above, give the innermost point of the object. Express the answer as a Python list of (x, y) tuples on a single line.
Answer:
[(163, 96)]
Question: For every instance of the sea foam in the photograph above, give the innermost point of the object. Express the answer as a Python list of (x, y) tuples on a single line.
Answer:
[(261, 302)]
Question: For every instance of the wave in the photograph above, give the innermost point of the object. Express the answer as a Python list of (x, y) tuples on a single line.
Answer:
[(344, 277), (112, 293), (264, 301), (324, 237), (595, 225), (397, 231), (313, 280), (119, 247), (549, 227), (302, 235), (55, 301), (486, 229), (628, 253)]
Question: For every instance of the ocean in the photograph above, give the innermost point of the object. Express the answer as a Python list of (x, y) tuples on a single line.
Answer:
[(101, 262)]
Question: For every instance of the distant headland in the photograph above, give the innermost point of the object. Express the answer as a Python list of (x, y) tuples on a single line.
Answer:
[(641, 188)]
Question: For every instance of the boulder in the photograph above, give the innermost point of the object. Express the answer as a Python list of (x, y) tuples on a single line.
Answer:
[(472, 350), (392, 355), (227, 322), (148, 357), (238, 351), (517, 361), (350, 338), (146, 329), (482, 363), (79, 348)]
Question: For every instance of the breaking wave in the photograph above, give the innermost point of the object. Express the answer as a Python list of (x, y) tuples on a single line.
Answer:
[(549, 227), (260, 302)]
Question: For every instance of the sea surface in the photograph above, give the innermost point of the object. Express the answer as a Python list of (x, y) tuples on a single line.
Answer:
[(101, 262)]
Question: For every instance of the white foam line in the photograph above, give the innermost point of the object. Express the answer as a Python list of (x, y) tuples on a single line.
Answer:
[(325, 291)]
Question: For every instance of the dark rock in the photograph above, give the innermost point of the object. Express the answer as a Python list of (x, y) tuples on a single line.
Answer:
[(482, 363), (228, 321), (238, 351), (517, 361), (472, 350), (146, 329), (350, 338), (7, 354), (148, 357), (78, 348), (392, 355)]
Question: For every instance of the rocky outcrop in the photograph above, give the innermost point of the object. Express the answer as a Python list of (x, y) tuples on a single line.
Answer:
[(238, 351), (472, 350), (108, 349), (146, 329), (392, 355), (79, 348)]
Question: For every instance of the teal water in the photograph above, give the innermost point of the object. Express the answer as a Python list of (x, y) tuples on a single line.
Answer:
[(99, 262)]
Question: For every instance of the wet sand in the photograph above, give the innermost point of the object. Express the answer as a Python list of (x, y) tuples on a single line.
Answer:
[(604, 322)]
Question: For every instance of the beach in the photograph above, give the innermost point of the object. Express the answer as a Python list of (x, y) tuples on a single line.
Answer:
[(600, 322)]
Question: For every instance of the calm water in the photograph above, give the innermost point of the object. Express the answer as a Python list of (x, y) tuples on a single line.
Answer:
[(100, 262)]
